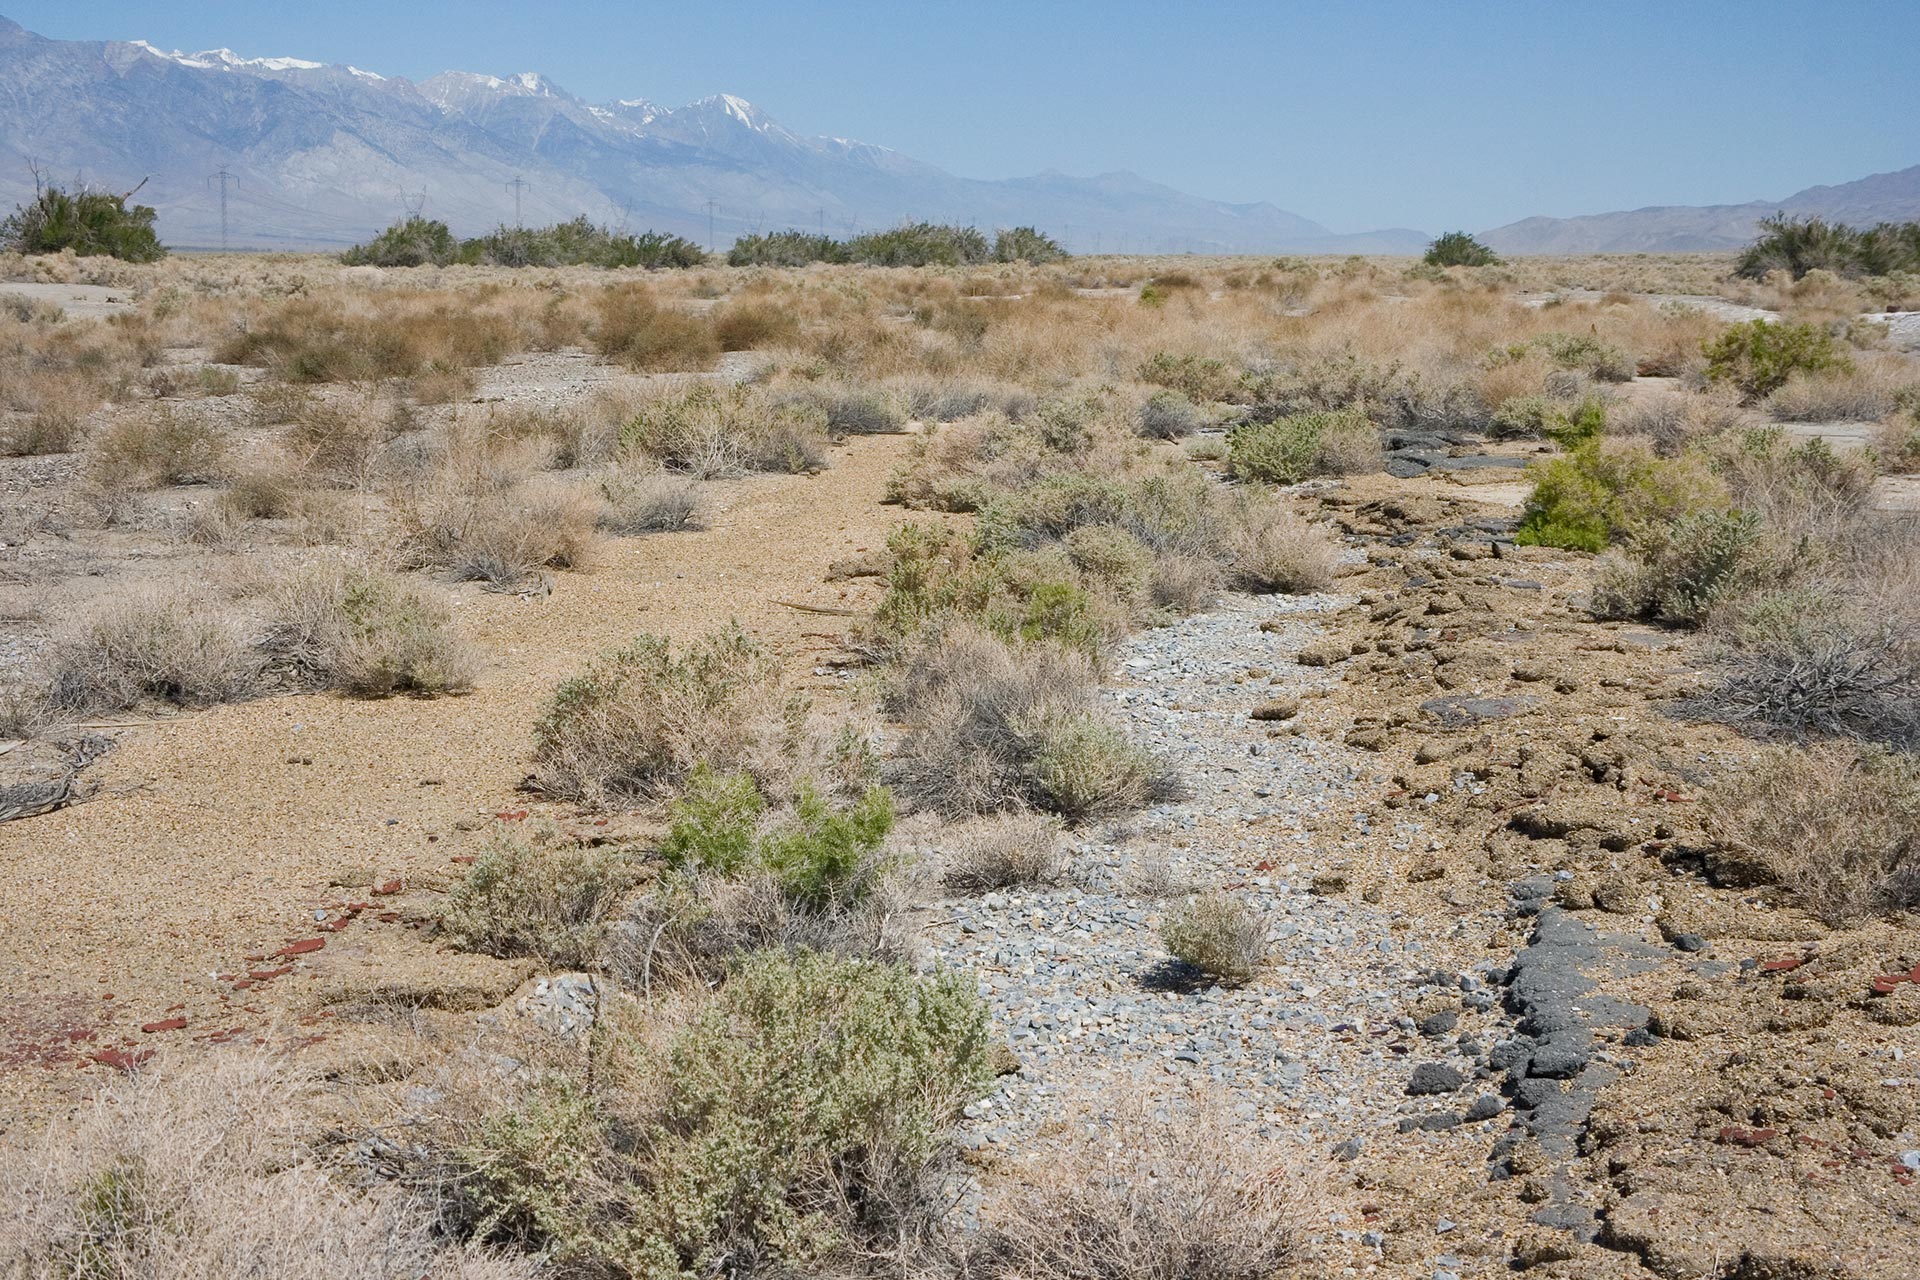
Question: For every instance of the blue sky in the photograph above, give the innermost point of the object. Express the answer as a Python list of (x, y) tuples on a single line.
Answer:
[(1355, 114)]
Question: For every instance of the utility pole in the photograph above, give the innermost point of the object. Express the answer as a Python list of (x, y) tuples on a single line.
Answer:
[(223, 178), (517, 186), (711, 206), (823, 223)]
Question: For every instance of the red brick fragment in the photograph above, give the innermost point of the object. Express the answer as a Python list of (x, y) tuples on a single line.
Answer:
[(300, 948), (1887, 983), (1734, 1135), (121, 1059), (165, 1024), (1782, 964), (268, 975)]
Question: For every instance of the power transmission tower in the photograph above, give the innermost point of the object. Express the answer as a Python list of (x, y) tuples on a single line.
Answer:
[(413, 202), (223, 178), (518, 185), (823, 223), (711, 206)]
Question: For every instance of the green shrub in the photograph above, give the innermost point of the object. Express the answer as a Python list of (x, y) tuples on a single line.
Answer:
[(1571, 428), (636, 722), (1604, 491), (1199, 378), (785, 249), (580, 243), (1294, 448), (820, 856), (88, 223), (411, 242), (1578, 351), (419, 242), (1759, 356), (1802, 245), (788, 1129), (712, 825), (548, 898), (1025, 244), (1458, 249), (1525, 417), (920, 244)]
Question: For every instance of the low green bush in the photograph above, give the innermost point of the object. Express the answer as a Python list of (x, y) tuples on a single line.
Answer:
[(789, 1129), (1605, 491), (85, 222), (1025, 244), (1759, 356), (819, 853), (1458, 249), (1297, 447)]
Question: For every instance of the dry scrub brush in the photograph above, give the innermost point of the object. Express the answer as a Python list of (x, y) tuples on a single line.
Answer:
[(1840, 826), (1218, 934), (336, 625), (1003, 851), (209, 1173), (545, 896), (149, 646), (796, 1123), (994, 726), (637, 721), (1152, 1189)]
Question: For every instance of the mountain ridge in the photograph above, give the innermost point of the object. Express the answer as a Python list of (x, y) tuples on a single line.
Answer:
[(322, 155), (1893, 196)]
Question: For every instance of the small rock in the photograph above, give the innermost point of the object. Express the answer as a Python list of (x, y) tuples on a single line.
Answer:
[(1434, 1078), (1485, 1107), (1276, 709)]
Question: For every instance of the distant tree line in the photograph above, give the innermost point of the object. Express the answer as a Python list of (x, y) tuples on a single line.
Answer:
[(1800, 245), (423, 242), (89, 222), (914, 244)]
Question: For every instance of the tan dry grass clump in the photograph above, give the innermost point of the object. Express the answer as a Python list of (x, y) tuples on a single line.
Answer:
[(1002, 851), (1838, 825), (211, 1172), (154, 645), (1218, 934), (1157, 1189), (545, 897)]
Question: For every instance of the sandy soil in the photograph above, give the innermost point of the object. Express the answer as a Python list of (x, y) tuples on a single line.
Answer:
[(220, 832)]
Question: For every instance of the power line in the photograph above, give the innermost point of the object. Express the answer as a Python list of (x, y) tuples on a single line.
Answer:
[(223, 177)]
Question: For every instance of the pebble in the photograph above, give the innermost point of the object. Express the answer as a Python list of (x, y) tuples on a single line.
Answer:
[(1076, 977)]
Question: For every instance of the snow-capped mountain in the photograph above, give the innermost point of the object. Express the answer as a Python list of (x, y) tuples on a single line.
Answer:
[(320, 155)]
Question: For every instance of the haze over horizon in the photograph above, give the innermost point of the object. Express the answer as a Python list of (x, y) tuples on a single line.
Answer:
[(1390, 116)]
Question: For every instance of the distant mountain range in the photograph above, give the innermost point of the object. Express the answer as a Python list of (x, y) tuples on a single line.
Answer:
[(1883, 197), (322, 156)]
